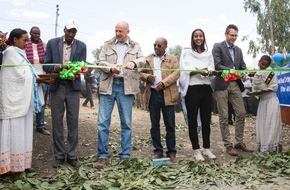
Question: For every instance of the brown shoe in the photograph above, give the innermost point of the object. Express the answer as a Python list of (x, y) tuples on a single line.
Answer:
[(172, 157), (242, 147), (102, 162), (43, 131), (231, 151), (157, 156)]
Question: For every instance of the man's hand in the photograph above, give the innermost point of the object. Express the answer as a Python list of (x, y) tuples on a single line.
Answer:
[(251, 74), (58, 68), (151, 79), (115, 69), (214, 72), (160, 86), (266, 90), (130, 65)]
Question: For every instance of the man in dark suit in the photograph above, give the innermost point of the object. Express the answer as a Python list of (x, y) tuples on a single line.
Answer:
[(65, 94), (228, 56)]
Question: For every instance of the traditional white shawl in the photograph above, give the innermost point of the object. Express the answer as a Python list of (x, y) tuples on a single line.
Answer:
[(191, 60), (16, 84)]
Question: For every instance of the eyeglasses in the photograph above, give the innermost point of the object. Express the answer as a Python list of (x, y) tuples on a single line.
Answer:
[(157, 45), (233, 35)]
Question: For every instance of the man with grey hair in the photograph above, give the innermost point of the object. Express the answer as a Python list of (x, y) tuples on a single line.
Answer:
[(119, 82)]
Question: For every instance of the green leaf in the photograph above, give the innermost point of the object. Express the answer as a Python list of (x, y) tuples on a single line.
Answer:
[(19, 184), (87, 186), (81, 173)]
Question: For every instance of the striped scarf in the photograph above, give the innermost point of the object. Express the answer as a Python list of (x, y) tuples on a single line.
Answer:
[(40, 50)]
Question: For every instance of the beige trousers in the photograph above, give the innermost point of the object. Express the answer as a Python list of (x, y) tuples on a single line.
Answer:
[(232, 94)]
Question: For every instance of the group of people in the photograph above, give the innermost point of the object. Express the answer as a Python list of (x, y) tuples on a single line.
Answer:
[(122, 65), (21, 95)]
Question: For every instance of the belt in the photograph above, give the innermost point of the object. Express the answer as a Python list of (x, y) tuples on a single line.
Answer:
[(119, 79), (65, 81), (155, 91)]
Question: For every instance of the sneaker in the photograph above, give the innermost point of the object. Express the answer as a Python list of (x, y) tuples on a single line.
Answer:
[(209, 154), (197, 155)]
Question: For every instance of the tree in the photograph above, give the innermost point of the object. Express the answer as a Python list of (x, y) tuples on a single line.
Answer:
[(273, 25), (176, 51), (96, 52)]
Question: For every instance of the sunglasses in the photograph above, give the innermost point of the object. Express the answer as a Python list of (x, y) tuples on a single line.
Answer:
[(157, 45)]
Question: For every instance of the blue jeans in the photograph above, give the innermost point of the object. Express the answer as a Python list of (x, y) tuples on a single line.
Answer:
[(156, 104), (124, 104), (39, 117)]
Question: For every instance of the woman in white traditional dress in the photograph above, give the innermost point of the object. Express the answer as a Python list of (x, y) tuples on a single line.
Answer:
[(268, 124), (18, 100)]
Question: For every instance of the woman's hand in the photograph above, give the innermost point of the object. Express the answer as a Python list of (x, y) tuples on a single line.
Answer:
[(45, 80)]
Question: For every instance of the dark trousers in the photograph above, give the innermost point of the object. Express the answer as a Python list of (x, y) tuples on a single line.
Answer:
[(89, 88), (199, 97), (156, 104), (65, 100)]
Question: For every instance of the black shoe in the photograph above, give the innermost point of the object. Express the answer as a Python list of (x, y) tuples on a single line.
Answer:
[(73, 162), (43, 131), (280, 148), (230, 122), (57, 163), (29, 170), (157, 155)]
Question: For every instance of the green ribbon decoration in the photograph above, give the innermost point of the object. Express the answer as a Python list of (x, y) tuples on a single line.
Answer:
[(72, 70), (231, 74), (89, 65)]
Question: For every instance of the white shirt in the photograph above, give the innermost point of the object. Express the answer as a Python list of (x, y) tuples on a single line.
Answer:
[(121, 49), (157, 69), (191, 60)]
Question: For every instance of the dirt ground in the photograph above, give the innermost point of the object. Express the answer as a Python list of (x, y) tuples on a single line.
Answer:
[(142, 148)]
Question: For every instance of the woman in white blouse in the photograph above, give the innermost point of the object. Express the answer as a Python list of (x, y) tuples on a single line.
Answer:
[(197, 67)]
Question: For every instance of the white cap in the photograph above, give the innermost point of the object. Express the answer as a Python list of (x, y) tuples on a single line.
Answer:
[(71, 24)]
